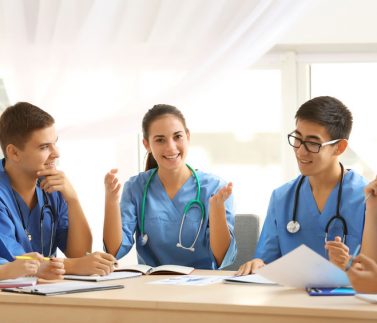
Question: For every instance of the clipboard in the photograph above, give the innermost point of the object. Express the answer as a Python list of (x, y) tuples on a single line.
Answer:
[(61, 288)]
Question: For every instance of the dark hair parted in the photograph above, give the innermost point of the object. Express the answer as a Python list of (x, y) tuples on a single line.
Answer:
[(158, 111), (18, 122), (330, 113)]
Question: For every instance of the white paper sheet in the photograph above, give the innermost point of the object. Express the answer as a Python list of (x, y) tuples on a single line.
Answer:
[(192, 280), (301, 268), (371, 298)]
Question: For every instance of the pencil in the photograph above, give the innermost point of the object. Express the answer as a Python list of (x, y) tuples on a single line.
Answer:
[(349, 264), (31, 258), (367, 197)]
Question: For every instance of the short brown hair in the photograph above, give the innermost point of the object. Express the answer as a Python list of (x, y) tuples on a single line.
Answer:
[(330, 113), (18, 122)]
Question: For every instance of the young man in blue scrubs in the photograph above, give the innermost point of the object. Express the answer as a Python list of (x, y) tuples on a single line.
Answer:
[(302, 211), (39, 209)]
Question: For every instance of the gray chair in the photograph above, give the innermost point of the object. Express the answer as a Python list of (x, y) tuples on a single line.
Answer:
[(246, 231)]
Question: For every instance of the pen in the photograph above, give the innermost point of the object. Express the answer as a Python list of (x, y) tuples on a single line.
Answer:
[(367, 197), (349, 264), (31, 258)]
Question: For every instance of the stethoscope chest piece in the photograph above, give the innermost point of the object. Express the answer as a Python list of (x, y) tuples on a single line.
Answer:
[(293, 226), (143, 239)]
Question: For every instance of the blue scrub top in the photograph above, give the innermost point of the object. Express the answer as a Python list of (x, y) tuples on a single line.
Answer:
[(275, 241), (12, 234), (163, 219)]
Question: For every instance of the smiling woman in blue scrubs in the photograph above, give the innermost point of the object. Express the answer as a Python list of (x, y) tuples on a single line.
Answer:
[(326, 201), (187, 216)]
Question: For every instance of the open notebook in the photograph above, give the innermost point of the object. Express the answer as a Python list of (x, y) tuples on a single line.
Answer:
[(61, 288), (96, 278), (160, 270)]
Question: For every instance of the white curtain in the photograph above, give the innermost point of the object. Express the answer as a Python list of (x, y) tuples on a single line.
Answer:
[(92, 64), (85, 60)]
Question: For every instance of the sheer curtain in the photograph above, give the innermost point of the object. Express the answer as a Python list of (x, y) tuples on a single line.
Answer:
[(88, 63)]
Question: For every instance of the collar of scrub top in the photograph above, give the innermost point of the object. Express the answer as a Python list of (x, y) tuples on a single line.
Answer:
[(293, 226), (46, 206), (188, 206)]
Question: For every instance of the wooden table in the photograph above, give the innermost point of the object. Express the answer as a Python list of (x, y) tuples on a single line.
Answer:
[(142, 302)]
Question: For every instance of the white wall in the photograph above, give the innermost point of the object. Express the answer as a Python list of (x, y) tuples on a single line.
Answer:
[(335, 22)]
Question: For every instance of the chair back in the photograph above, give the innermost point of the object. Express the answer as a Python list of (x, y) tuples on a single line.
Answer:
[(246, 231)]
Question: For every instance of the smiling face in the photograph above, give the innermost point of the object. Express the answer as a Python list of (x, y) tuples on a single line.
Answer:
[(168, 142), (38, 153), (311, 164)]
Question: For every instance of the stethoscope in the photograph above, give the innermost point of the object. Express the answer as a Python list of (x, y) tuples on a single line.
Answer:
[(188, 206), (46, 206), (293, 226)]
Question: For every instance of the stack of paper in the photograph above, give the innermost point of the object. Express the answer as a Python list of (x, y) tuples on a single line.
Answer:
[(18, 282)]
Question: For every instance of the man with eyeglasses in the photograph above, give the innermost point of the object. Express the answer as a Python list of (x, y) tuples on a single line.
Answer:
[(324, 207)]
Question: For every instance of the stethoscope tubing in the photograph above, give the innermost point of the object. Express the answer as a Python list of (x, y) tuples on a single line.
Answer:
[(46, 205), (188, 206), (293, 226)]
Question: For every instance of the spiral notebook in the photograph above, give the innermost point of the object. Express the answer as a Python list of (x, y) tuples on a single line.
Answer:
[(61, 288)]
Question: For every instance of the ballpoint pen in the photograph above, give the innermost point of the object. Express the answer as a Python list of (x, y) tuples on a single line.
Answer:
[(367, 197), (31, 258), (349, 264)]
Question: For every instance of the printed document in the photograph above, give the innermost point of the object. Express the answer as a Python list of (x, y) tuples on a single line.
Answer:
[(303, 267)]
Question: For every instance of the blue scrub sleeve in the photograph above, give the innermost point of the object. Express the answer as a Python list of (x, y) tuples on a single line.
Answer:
[(268, 247), (62, 229), (3, 261), (231, 253), (128, 208), (9, 246)]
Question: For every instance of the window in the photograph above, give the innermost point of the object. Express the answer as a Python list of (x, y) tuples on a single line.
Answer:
[(354, 85)]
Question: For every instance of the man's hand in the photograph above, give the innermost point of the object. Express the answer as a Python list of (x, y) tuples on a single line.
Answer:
[(338, 252), (56, 181)]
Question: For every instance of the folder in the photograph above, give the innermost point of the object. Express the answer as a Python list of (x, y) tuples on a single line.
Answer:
[(61, 288)]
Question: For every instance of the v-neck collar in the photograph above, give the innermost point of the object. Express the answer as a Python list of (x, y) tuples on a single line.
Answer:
[(330, 206), (179, 190)]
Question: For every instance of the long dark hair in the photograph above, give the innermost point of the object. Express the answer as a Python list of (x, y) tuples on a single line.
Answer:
[(153, 114)]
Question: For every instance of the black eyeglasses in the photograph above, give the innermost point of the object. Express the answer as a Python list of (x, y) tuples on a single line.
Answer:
[(310, 146)]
